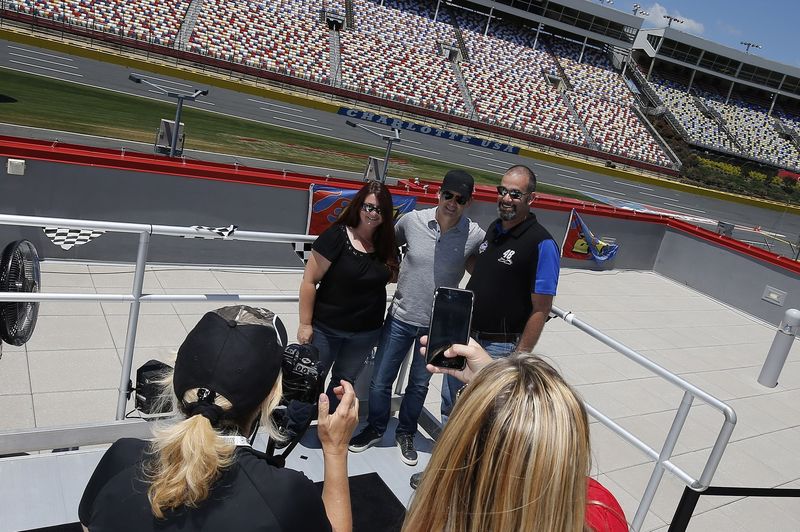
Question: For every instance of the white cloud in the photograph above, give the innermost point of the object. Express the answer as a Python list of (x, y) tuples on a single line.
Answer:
[(656, 18)]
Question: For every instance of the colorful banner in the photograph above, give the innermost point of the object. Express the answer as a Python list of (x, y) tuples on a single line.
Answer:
[(326, 203), (580, 243)]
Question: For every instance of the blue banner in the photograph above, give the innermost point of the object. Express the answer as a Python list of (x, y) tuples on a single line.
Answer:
[(427, 130)]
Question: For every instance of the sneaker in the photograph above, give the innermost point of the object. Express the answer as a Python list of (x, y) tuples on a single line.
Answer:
[(415, 480), (407, 452), (364, 440)]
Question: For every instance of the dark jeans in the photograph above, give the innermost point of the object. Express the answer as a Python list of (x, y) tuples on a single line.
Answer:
[(397, 337), (346, 352), (451, 385)]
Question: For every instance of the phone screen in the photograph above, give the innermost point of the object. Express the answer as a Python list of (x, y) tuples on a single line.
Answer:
[(450, 324)]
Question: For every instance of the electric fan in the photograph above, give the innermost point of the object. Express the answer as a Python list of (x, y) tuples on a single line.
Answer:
[(19, 272)]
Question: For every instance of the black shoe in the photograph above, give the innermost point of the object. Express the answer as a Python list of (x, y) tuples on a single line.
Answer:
[(364, 440), (407, 452), (415, 479)]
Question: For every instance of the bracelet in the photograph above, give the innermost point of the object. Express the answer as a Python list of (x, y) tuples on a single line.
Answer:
[(458, 393)]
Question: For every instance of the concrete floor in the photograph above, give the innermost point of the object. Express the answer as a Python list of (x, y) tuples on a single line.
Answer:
[(69, 373)]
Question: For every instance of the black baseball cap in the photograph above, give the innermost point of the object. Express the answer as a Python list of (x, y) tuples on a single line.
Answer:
[(235, 352), (460, 182)]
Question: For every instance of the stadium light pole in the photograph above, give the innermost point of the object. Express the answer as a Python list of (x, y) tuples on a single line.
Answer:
[(180, 96), (747, 45), (388, 139), (671, 19), (637, 10)]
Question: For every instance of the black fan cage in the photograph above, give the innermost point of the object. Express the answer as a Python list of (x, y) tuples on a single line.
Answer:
[(19, 272)]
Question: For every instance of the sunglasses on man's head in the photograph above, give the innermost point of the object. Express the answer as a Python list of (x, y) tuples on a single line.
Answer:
[(513, 194), (447, 195), (369, 207)]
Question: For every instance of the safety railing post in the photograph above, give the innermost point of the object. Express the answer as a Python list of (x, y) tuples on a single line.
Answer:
[(133, 323), (666, 453)]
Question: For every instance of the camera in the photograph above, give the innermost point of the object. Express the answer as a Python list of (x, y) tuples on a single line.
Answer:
[(301, 375)]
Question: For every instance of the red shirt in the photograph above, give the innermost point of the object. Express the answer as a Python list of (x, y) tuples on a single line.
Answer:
[(603, 512)]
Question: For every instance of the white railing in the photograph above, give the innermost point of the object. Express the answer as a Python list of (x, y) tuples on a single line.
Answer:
[(37, 439), (663, 455)]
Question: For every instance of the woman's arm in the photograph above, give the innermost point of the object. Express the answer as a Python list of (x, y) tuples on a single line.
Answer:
[(315, 270), (335, 430)]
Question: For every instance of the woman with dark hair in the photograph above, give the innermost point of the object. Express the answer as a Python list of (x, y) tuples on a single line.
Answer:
[(200, 471), (343, 291)]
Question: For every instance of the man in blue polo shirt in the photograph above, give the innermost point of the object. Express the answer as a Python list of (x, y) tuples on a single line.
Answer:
[(514, 276), (440, 241)]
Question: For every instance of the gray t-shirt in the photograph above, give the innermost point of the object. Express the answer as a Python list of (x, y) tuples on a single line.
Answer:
[(433, 259)]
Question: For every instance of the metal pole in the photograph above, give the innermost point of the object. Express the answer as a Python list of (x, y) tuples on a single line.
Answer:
[(133, 322), (389, 143), (666, 453), (779, 350), (174, 143)]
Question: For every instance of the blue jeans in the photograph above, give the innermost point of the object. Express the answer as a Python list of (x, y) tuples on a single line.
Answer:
[(343, 354), (451, 385), (397, 337)]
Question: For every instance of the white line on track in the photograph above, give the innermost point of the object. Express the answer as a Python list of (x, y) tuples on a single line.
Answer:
[(584, 180), (604, 190), (568, 176), (287, 114), (683, 207), (762, 244), (556, 168), (202, 102), (468, 148), (410, 141), (261, 102), (301, 123), (40, 53), (497, 166), (422, 149), (657, 196), (490, 159), (632, 185), (148, 77), (43, 60), (45, 68)]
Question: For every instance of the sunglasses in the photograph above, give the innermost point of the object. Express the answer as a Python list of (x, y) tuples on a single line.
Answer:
[(447, 195), (369, 207), (513, 194)]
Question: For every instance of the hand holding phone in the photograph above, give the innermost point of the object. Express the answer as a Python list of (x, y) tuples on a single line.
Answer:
[(451, 319)]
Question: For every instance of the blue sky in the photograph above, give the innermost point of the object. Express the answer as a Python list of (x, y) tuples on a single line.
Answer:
[(773, 24)]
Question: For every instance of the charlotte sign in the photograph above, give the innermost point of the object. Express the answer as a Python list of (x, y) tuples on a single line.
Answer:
[(427, 130)]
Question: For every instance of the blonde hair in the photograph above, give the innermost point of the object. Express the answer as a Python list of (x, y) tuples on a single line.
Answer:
[(189, 455), (513, 456)]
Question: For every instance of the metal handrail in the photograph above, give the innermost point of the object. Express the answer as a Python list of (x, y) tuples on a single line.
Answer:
[(136, 297), (662, 456)]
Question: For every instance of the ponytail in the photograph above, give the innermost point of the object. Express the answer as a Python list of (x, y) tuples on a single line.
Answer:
[(187, 458)]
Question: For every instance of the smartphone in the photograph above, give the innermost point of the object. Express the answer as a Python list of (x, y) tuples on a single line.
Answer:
[(451, 319)]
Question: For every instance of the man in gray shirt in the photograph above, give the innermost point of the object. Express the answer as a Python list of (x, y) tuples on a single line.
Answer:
[(439, 240)]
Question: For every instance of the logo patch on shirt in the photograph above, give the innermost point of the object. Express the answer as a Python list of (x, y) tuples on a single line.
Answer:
[(483, 246), (506, 258)]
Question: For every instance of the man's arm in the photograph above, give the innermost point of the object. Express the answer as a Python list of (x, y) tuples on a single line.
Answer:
[(545, 282), (533, 328)]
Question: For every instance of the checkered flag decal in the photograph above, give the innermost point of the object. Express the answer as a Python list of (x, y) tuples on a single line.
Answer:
[(223, 232), (65, 238), (303, 250)]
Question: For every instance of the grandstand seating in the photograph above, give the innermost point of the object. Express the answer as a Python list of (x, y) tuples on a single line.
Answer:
[(749, 123), (286, 37), (392, 54), (616, 129), (156, 21), (702, 129)]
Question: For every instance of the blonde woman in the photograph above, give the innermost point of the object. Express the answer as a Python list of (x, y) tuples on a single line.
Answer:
[(514, 455), (201, 472)]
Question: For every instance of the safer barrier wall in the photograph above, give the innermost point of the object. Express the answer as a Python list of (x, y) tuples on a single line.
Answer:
[(97, 184)]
